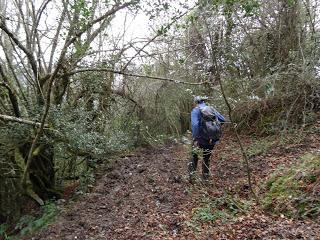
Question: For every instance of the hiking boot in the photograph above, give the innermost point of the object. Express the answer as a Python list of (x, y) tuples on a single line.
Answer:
[(192, 177), (206, 182), (205, 177)]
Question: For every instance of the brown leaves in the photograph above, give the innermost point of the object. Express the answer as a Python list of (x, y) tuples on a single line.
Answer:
[(145, 197)]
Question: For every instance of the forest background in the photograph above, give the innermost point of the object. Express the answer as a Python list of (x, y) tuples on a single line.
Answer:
[(72, 92)]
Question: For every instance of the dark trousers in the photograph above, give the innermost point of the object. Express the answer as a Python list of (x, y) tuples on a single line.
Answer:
[(207, 150)]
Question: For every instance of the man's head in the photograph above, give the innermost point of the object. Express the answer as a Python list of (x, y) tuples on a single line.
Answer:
[(199, 99)]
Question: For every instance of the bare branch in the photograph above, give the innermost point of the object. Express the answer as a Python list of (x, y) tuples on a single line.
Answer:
[(112, 11), (159, 33), (31, 58), (22, 15), (38, 16), (133, 75), (9, 63), (55, 39), (12, 94)]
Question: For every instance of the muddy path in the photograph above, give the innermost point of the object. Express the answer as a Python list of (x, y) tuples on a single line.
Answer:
[(146, 195), (140, 197)]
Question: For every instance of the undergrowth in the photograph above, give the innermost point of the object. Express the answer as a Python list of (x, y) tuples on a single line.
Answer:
[(260, 147), (216, 209), (294, 192), (29, 224), (284, 139)]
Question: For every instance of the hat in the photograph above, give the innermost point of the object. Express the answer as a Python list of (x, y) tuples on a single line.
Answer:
[(199, 99)]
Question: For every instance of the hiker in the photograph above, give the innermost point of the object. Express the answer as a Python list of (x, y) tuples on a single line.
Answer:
[(205, 134)]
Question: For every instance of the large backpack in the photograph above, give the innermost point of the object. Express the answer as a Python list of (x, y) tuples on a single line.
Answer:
[(210, 127)]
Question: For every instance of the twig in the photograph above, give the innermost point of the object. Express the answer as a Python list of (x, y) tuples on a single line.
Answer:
[(218, 77), (159, 33)]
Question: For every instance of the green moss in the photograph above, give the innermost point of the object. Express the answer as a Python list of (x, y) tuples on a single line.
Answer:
[(291, 191)]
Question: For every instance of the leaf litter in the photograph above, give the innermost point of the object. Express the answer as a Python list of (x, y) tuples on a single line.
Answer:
[(146, 195)]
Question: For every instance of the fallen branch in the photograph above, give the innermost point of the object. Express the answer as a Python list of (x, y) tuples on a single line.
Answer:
[(20, 120)]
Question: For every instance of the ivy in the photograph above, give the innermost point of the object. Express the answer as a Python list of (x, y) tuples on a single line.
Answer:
[(250, 7), (163, 30), (80, 49), (84, 12), (191, 18), (291, 3)]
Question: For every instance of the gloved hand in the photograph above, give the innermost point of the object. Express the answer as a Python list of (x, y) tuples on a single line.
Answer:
[(195, 143)]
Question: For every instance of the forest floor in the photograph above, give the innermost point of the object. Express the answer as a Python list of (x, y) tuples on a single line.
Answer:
[(147, 195)]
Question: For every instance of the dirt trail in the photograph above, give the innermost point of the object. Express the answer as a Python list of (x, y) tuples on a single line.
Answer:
[(140, 198), (146, 195)]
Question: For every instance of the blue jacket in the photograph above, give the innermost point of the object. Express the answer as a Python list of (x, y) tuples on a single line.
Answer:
[(195, 120)]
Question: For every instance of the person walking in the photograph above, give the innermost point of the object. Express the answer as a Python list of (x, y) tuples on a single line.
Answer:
[(206, 130)]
